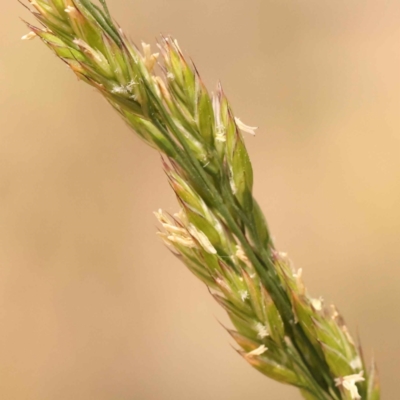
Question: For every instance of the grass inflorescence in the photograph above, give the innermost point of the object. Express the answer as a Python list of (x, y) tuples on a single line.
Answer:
[(219, 232)]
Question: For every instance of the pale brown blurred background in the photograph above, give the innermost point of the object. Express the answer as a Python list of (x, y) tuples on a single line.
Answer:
[(92, 305)]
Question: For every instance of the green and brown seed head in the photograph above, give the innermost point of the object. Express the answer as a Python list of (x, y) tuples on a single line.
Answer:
[(220, 232)]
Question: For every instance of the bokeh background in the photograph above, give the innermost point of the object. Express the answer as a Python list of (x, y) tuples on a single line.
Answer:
[(92, 306)]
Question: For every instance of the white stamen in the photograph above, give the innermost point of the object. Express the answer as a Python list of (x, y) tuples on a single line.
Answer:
[(119, 90), (349, 383), (240, 254), (71, 10), (181, 216), (300, 285), (317, 303), (244, 294), (335, 314), (174, 233), (258, 351), (262, 331), (356, 363), (245, 128), (125, 89), (29, 36), (177, 45), (164, 237), (297, 275), (184, 241), (131, 84), (149, 58), (175, 230), (170, 76), (162, 218), (146, 49)]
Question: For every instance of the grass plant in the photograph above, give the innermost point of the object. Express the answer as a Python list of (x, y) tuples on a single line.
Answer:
[(219, 232)]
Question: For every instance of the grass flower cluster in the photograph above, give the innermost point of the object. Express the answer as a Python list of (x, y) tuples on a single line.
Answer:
[(219, 233)]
